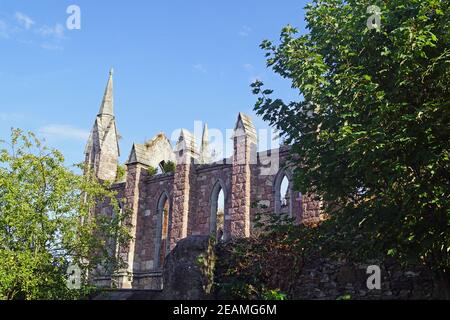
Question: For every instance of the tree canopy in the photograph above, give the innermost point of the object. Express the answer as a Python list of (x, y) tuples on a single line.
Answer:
[(371, 127), (46, 223)]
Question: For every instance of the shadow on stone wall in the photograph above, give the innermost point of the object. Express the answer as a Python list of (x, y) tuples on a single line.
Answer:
[(188, 274), (191, 269), (315, 278)]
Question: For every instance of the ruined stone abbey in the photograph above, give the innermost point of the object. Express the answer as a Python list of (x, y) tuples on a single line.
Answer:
[(168, 206)]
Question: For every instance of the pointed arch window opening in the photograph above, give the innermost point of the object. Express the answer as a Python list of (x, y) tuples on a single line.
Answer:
[(163, 241), (160, 168), (164, 233), (218, 213), (284, 193), (118, 253)]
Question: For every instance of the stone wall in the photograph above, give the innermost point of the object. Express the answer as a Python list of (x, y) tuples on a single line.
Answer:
[(325, 279), (191, 192), (312, 277), (148, 219), (206, 178), (264, 188), (190, 271)]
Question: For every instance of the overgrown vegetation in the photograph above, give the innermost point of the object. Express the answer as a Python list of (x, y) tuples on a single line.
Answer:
[(121, 171), (372, 128), (152, 171), (166, 167), (47, 223), (169, 167), (265, 267)]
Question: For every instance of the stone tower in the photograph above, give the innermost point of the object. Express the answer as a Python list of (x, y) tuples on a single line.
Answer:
[(102, 150)]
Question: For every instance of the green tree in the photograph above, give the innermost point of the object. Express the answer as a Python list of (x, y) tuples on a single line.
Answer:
[(47, 223), (371, 129)]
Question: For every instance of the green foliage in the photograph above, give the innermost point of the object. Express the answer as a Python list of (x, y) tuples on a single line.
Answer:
[(152, 171), (373, 125), (345, 297), (121, 170), (273, 295), (267, 266), (47, 223), (169, 166), (200, 260)]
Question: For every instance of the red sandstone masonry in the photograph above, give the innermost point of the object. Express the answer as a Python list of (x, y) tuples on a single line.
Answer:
[(133, 189), (195, 183), (241, 185), (146, 233), (181, 195), (244, 181), (207, 176)]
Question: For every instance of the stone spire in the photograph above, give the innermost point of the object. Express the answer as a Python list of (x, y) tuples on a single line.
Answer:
[(107, 107), (102, 150), (205, 152)]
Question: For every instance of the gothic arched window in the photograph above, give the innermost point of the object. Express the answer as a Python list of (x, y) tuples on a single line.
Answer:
[(283, 194), (160, 168), (163, 224), (218, 212)]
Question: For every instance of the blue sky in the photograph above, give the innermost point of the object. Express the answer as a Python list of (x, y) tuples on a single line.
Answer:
[(174, 62)]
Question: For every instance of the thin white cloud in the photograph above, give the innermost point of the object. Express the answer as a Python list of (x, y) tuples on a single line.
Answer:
[(56, 32), (65, 132), (24, 20), (200, 68), (21, 28), (245, 31)]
